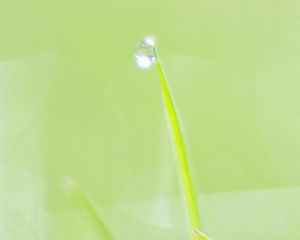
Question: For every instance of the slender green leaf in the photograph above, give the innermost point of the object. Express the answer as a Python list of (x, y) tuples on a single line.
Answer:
[(184, 171)]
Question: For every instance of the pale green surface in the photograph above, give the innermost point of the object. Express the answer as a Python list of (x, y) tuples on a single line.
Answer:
[(73, 102)]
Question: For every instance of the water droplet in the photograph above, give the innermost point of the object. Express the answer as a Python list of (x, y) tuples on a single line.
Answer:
[(144, 55)]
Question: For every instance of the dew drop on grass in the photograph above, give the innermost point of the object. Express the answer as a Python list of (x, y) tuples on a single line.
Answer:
[(144, 55)]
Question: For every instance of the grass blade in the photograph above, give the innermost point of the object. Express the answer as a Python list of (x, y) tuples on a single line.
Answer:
[(85, 203), (184, 170)]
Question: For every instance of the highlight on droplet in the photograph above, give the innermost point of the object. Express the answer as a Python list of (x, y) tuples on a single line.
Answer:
[(143, 61), (150, 40)]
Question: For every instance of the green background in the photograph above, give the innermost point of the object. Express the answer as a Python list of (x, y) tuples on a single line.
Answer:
[(73, 102)]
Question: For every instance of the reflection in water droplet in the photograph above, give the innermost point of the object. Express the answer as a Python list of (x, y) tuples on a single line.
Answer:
[(144, 55)]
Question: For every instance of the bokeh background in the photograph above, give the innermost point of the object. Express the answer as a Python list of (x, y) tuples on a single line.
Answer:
[(73, 103)]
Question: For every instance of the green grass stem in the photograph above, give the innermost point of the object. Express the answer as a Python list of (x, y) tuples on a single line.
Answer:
[(184, 170), (82, 200)]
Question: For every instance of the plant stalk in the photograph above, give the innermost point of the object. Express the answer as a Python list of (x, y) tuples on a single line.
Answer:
[(183, 169), (85, 203)]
